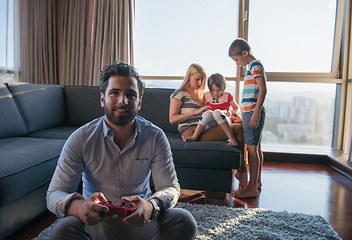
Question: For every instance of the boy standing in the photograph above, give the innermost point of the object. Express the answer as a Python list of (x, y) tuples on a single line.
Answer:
[(253, 114)]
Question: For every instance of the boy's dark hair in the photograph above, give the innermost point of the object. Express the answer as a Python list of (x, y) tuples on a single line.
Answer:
[(218, 80), (119, 69), (238, 46)]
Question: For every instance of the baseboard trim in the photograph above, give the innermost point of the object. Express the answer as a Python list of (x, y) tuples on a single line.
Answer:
[(339, 166), (335, 159), (295, 157)]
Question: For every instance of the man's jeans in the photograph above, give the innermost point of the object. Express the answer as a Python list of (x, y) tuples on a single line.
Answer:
[(175, 223)]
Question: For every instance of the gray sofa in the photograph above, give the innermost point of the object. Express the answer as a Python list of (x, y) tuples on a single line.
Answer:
[(37, 119)]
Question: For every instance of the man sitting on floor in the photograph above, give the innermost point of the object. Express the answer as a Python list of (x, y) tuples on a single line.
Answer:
[(115, 156)]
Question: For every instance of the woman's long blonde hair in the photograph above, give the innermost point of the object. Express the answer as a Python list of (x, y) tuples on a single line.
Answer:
[(193, 69)]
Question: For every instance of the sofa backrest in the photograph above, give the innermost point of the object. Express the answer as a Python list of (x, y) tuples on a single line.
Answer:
[(82, 104), (12, 123), (27, 107), (155, 108), (41, 105)]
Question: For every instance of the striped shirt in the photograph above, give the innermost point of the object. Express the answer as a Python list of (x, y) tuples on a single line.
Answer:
[(188, 105), (250, 88)]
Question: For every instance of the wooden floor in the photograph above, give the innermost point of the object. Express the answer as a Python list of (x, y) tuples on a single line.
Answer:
[(294, 187)]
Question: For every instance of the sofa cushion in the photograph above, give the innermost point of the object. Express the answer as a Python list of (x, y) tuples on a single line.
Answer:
[(155, 108), (55, 133), (83, 104), (11, 122), (42, 106), (206, 155), (26, 164)]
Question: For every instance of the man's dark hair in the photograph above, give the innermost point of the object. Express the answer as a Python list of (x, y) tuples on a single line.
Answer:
[(119, 69)]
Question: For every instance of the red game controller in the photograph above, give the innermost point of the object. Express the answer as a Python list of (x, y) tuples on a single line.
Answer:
[(122, 210)]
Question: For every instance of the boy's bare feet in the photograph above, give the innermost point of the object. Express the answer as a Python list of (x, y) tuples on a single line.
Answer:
[(246, 193), (259, 185), (242, 177), (232, 143)]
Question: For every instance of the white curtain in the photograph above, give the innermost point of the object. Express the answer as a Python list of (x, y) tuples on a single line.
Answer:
[(9, 40)]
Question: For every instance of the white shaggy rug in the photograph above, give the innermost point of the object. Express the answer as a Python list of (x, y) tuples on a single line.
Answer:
[(219, 222)]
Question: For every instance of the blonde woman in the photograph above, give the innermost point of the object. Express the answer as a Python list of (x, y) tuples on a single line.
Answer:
[(219, 102), (186, 104)]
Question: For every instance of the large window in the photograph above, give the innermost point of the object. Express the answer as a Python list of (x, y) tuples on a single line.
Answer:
[(7, 42), (7, 35), (171, 35), (173, 84), (293, 36), (299, 43)]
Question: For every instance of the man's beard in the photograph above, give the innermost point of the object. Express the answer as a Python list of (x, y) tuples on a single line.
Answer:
[(119, 120)]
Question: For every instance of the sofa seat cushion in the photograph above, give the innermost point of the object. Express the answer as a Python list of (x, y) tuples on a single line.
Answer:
[(26, 164), (54, 133), (208, 155)]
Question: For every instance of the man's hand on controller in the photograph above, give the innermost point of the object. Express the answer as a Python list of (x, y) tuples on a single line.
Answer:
[(87, 210), (143, 212)]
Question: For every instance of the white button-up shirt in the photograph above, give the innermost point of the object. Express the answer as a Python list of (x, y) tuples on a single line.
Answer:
[(90, 153)]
